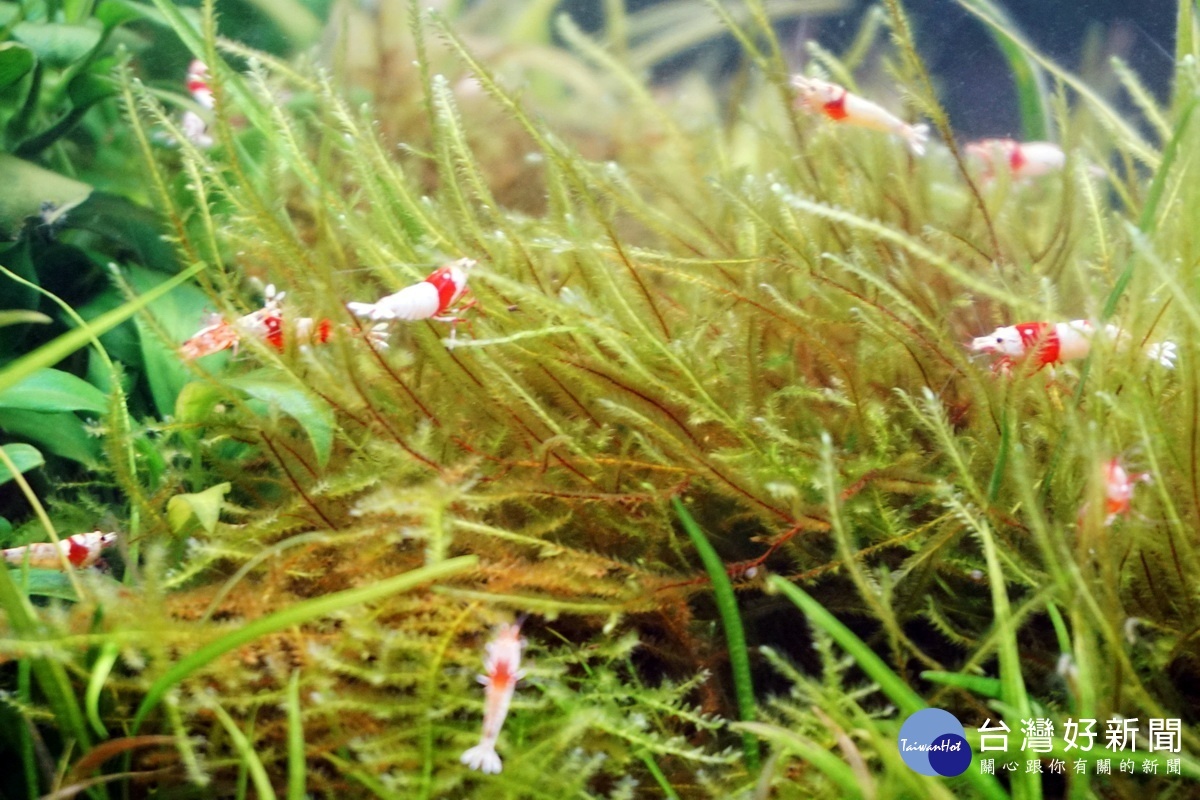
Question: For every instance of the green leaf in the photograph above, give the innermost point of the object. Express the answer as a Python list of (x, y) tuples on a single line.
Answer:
[(196, 401), (89, 88), (54, 390), (27, 187), (731, 621), (16, 60), (61, 433), (164, 370), (977, 684), (129, 226), (247, 756), (57, 44), (47, 583), (203, 507), (177, 316), (22, 316), (1028, 78), (24, 456), (293, 399), (899, 692), (54, 351), (117, 12), (295, 741)]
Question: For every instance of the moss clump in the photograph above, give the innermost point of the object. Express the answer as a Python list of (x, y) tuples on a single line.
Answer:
[(763, 314)]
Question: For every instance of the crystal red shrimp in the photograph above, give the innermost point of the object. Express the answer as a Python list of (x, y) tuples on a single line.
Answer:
[(1045, 343), (197, 83), (841, 105), (428, 299), (193, 125), (81, 550), (1021, 159), (503, 667), (1118, 490), (267, 325)]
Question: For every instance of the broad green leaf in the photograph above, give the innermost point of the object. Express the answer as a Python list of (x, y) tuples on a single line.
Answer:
[(21, 316), (46, 583), (130, 226), (121, 342), (196, 401), (56, 43), (176, 316), (61, 347), (54, 390), (117, 12), (16, 60), (24, 456), (313, 413), (165, 371), (27, 187), (204, 507), (61, 433), (88, 88)]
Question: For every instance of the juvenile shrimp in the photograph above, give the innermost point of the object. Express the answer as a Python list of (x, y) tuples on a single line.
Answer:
[(197, 84), (82, 550), (503, 667), (267, 325), (841, 105), (193, 125), (1021, 159), (1045, 343), (1118, 490), (428, 299)]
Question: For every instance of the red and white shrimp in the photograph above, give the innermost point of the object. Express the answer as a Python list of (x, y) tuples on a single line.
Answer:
[(197, 84), (267, 325), (1118, 489), (841, 105), (1045, 343), (503, 666), (81, 550), (1021, 159), (429, 299), (194, 127)]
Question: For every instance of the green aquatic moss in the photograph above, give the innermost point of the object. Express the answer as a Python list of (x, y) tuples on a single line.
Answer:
[(722, 298)]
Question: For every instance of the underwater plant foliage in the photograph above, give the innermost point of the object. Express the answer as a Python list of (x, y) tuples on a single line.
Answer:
[(719, 300)]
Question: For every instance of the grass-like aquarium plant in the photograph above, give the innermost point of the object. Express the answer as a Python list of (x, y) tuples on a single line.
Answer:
[(769, 429)]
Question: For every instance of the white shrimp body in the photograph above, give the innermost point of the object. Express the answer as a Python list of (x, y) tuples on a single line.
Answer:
[(1046, 343), (502, 664), (419, 301), (81, 550), (197, 84), (428, 299), (1021, 159), (841, 105)]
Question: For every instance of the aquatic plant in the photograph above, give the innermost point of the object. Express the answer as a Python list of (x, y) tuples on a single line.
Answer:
[(736, 337)]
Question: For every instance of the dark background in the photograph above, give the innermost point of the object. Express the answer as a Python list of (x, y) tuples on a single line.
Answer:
[(971, 75)]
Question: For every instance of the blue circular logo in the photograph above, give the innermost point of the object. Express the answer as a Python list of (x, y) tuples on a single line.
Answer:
[(933, 742)]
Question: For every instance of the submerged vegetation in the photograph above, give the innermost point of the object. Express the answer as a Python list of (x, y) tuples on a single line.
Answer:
[(711, 426)]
